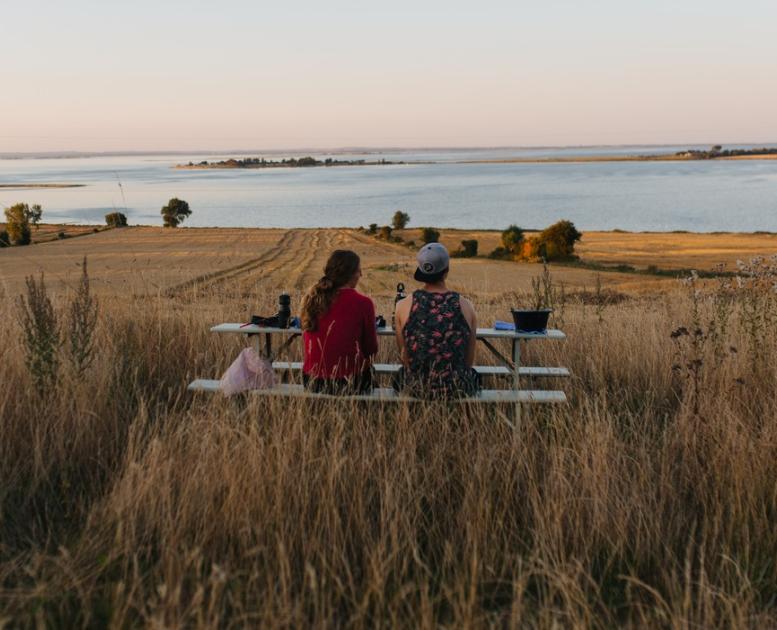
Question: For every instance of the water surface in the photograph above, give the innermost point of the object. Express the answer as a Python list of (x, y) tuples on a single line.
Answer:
[(660, 196)]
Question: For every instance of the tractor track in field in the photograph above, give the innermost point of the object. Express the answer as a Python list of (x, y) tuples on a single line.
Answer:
[(208, 280), (281, 271), (294, 262)]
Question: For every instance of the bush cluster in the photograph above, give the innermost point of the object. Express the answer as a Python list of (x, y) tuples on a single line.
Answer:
[(430, 235), (115, 219), (468, 249), (556, 242)]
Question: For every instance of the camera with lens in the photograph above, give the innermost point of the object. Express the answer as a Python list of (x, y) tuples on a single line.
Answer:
[(282, 320)]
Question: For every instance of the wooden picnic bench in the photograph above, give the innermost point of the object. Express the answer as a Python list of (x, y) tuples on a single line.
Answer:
[(510, 367)]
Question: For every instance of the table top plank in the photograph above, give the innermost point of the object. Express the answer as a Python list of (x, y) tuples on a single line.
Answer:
[(482, 333)]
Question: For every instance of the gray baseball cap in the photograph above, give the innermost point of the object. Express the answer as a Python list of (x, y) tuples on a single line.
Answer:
[(432, 259)]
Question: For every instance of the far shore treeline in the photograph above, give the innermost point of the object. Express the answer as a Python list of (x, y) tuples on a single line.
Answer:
[(303, 162)]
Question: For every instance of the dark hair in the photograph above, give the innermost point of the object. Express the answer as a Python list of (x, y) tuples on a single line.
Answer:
[(436, 277), (430, 278), (340, 268)]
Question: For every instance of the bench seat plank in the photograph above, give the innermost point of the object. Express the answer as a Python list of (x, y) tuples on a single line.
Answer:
[(483, 370), (388, 394)]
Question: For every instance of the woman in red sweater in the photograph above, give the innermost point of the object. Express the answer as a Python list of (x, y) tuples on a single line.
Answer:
[(339, 329)]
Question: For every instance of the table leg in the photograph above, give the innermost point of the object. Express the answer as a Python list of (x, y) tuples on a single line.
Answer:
[(516, 363), (257, 340), (268, 346), (516, 384)]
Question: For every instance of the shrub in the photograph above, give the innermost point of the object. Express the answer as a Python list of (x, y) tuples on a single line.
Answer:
[(400, 220), (175, 212), (61, 235), (17, 219), (373, 228), (500, 253), (512, 240), (385, 232), (558, 241), (469, 249), (430, 235), (115, 219), (5, 241)]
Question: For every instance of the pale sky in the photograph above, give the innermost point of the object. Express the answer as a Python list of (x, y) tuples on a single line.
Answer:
[(104, 76)]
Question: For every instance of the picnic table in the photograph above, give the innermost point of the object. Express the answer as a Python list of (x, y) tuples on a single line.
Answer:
[(508, 366)]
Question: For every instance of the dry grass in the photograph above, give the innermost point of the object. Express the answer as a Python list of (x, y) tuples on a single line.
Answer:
[(124, 501), (664, 250)]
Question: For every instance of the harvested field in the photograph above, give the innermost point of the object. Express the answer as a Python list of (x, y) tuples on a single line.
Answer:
[(648, 501), (664, 250), (147, 260)]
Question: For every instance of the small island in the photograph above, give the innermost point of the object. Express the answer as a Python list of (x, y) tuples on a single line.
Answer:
[(303, 162), (718, 151), (34, 185)]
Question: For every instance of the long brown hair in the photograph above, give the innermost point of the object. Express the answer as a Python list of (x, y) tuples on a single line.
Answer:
[(339, 270)]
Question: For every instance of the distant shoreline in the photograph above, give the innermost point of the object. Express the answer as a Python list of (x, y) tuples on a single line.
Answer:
[(31, 186), (691, 155), (620, 158)]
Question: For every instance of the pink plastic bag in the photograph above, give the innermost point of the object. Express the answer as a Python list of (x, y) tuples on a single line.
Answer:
[(248, 371)]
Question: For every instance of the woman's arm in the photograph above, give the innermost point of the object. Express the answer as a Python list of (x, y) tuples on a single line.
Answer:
[(401, 312), (469, 314), (369, 340)]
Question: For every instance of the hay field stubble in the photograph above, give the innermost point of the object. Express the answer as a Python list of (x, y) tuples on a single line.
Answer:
[(124, 501)]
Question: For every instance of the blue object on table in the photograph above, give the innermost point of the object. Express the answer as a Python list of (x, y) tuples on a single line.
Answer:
[(500, 325), (295, 322)]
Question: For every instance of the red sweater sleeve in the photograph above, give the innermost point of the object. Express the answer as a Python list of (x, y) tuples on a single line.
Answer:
[(369, 342)]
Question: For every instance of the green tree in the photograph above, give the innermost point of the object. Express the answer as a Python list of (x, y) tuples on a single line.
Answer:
[(400, 220), (175, 212), (512, 239), (373, 228), (17, 219), (115, 219), (5, 241), (430, 235), (36, 213)]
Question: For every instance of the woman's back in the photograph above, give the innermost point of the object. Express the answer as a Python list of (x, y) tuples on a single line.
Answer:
[(344, 339), (339, 328), (436, 336)]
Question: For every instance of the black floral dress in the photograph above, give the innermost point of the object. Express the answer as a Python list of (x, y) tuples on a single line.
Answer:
[(436, 338)]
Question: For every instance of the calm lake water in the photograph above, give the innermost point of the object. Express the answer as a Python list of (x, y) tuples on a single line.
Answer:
[(660, 196)]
